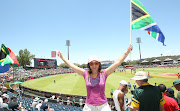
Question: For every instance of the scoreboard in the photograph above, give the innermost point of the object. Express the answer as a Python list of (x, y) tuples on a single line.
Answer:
[(45, 63)]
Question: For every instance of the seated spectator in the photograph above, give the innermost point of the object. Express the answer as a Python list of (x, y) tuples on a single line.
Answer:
[(35, 102), (81, 102), (68, 101), (1, 98), (57, 99), (1, 101), (44, 105), (176, 84), (38, 106), (4, 105), (53, 97), (62, 102), (73, 101), (13, 104), (22, 93), (170, 103), (5, 95), (170, 92)]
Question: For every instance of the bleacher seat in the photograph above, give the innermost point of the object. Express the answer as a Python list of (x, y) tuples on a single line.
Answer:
[(27, 103)]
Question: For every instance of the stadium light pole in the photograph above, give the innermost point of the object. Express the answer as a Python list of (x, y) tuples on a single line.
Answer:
[(161, 59), (138, 40), (68, 44)]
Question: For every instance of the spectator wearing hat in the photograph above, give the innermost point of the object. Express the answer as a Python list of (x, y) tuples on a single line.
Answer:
[(170, 93), (118, 96), (95, 80), (146, 97), (1, 98), (81, 102), (44, 105), (176, 84), (4, 104), (35, 102), (38, 106), (170, 103), (68, 101)]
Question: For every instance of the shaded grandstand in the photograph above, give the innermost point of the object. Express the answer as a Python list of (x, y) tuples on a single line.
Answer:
[(106, 64)]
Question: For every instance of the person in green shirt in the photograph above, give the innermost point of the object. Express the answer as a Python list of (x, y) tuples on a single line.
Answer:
[(146, 97), (73, 101), (13, 104), (111, 93), (176, 84)]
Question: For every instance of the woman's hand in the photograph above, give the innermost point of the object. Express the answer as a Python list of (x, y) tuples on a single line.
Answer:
[(76, 69), (60, 54), (129, 49)]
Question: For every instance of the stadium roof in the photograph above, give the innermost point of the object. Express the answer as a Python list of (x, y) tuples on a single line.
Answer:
[(156, 60), (144, 61), (168, 59)]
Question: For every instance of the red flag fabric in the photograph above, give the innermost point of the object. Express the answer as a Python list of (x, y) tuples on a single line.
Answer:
[(10, 59)]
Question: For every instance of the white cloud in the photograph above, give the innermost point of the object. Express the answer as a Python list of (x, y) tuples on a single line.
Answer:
[(169, 52)]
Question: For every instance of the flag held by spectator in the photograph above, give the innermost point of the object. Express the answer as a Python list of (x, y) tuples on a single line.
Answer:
[(10, 58), (4, 52), (142, 20), (53, 54), (4, 68)]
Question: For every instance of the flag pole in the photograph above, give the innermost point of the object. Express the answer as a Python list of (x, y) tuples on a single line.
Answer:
[(130, 27), (130, 22)]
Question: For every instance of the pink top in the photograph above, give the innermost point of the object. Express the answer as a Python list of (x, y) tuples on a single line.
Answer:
[(95, 88)]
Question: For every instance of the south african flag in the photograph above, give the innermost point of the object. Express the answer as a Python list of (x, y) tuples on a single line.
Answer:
[(142, 20)]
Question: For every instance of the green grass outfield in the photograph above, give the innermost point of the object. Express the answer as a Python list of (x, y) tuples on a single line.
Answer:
[(75, 84)]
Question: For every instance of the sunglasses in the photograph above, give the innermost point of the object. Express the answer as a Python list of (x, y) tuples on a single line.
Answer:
[(93, 63)]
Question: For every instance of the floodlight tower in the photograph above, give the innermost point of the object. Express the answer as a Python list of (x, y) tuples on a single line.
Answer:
[(138, 40), (68, 44)]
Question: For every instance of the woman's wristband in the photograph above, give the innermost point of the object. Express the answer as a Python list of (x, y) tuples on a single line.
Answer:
[(126, 54)]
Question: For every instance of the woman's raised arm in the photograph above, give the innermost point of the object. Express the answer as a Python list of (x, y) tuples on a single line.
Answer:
[(75, 68), (112, 68)]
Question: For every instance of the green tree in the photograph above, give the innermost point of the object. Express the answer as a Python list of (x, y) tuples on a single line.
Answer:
[(77, 64), (83, 66), (63, 65), (135, 62), (24, 58), (124, 63)]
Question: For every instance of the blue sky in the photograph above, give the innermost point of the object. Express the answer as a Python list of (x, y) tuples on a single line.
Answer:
[(94, 27)]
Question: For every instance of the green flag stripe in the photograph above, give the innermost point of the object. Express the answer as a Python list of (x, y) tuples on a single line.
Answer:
[(3, 53), (154, 35), (142, 23), (4, 49), (138, 10), (8, 60)]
